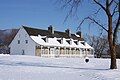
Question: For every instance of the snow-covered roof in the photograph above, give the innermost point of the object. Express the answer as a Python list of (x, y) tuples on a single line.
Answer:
[(56, 38), (53, 42)]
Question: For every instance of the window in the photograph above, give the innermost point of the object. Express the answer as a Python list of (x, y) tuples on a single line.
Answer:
[(26, 41), (25, 35), (18, 41)]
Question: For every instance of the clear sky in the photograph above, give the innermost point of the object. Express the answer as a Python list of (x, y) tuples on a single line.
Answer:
[(41, 14)]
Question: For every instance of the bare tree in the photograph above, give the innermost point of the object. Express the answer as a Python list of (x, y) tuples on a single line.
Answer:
[(100, 44), (111, 9)]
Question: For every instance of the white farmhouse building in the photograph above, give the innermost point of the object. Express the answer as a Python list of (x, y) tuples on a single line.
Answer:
[(49, 43)]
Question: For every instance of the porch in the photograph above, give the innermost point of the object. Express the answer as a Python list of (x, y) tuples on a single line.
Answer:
[(50, 51)]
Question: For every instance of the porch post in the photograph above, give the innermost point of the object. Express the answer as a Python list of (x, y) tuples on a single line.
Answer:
[(80, 52), (75, 52), (85, 53), (58, 51), (64, 51), (70, 55), (41, 50), (55, 53), (48, 51)]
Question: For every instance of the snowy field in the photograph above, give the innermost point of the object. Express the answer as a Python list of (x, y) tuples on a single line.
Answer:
[(36, 68)]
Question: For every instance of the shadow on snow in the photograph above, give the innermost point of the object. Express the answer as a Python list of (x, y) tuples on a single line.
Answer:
[(12, 63)]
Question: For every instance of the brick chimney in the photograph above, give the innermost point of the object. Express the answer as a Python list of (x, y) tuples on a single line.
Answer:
[(51, 29), (68, 32), (80, 34)]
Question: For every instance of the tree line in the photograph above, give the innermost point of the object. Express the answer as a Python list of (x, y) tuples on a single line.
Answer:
[(6, 36)]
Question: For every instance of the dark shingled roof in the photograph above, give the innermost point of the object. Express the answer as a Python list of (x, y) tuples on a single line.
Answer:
[(57, 34), (36, 32)]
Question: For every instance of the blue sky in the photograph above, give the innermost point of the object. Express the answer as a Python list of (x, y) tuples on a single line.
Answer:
[(35, 13), (41, 14)]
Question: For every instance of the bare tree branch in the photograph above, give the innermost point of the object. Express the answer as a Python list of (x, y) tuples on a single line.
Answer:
[(97, 11), (73, 6), (66, 3), (111, 2), (70, 12), (107, 4), (96, 22), (100, 5), (114, 11), (81, 23)]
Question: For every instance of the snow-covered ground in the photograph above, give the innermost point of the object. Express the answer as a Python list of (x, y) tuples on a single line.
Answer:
[(36, 68)]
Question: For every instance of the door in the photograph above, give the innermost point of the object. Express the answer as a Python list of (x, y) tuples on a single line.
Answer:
[(38, 52)]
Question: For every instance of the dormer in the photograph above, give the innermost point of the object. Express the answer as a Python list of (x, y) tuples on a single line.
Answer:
[(83, 43), (69, 41), (76, 42), (60, 40), (45, 38)]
